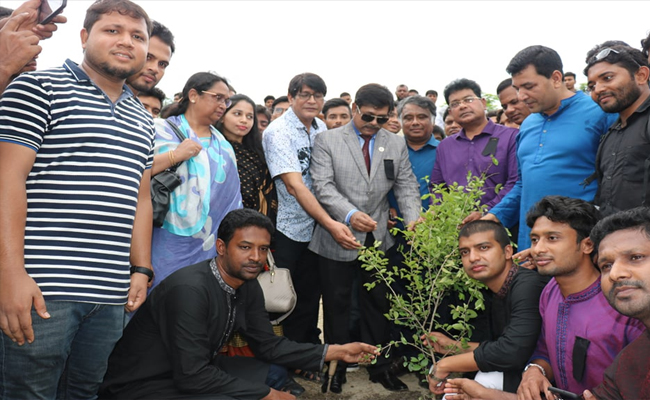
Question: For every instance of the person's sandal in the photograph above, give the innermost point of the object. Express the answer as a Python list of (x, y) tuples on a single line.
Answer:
[(311, 376)]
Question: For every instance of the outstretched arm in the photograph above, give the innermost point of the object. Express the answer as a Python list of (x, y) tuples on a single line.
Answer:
[(307, 200), (467, 389), (351, 352)]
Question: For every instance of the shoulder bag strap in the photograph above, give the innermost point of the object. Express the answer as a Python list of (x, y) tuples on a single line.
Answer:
[(180, 137)]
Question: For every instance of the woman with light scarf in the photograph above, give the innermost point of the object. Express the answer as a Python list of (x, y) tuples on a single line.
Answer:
[(208, 172)]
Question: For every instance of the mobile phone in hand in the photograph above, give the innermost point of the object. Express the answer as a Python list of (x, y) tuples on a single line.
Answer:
[(50, 9), (563, 394)]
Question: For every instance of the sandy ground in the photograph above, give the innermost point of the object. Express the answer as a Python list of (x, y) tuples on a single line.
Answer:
[(359, 387)]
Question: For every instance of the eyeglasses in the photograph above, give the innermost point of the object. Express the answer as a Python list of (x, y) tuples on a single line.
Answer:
[(307, 95), (466, 100), (370, 118), (219, 98), (279, 110)]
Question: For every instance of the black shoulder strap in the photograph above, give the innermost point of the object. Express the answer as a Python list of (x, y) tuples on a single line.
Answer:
[(176, 130), (180, 136)]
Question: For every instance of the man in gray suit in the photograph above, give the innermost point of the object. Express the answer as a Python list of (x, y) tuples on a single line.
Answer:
[(353, 169)]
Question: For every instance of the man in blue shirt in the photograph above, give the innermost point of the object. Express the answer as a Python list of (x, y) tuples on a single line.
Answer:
[(557, 143)]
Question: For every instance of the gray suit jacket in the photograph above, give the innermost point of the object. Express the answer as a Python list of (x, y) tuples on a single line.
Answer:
[(341, 183)]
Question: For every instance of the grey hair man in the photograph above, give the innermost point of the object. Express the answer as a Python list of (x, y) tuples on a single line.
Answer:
[(417, 116)]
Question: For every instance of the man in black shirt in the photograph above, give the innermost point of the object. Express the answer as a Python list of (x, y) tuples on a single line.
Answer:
[(170, 349), (618, 82), (513, 312)]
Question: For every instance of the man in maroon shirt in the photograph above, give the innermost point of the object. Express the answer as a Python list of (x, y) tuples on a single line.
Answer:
[(623, 243)]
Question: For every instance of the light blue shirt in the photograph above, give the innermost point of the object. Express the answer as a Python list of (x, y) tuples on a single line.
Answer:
[(287, 148)]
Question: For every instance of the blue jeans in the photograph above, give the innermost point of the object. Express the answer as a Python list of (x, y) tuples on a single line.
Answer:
[(277, 377), (77, 339)]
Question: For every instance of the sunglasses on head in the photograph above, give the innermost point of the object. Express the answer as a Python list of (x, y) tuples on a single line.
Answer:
[(370, 118), (604, 53)]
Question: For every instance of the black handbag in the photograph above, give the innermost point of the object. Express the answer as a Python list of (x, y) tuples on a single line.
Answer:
[(162, 186)]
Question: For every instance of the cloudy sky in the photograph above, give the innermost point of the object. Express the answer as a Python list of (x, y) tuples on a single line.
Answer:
[(260, 45)]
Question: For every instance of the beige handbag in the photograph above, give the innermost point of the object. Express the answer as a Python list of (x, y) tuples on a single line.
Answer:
[(279, 294)]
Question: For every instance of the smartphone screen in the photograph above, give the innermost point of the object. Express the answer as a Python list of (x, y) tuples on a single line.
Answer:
[(50, 9)]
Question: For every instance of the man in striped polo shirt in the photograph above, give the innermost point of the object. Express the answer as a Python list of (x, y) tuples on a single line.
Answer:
[(75, 151)]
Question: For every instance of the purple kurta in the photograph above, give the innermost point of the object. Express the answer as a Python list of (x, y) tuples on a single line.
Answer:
[(457, 154), (588, 315)]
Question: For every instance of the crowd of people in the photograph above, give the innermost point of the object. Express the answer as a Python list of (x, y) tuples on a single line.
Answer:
[(96, 300)]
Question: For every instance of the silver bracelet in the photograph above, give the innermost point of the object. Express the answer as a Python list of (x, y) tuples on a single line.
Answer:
[(535, 365)]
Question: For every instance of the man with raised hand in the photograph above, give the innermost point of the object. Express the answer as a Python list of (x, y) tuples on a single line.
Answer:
[(20, 34)]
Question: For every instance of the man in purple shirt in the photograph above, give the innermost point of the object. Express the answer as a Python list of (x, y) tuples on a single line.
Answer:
[(581, 334), (473, 147)]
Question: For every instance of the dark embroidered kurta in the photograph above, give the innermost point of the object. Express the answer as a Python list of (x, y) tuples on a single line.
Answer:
[(171, 345)]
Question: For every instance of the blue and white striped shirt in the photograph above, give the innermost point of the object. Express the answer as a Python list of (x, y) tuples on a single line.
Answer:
[(83, 188)]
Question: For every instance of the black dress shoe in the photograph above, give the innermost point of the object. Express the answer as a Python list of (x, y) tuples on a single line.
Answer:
[(338, 379), (397, 367), (293, 387), (389, 381)]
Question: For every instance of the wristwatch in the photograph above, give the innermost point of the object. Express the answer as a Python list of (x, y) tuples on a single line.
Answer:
[(536, 366), (142, 270)]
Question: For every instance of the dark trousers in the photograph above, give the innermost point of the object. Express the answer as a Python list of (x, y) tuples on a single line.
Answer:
[(246, 368), (302, 325), (337, 278)]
